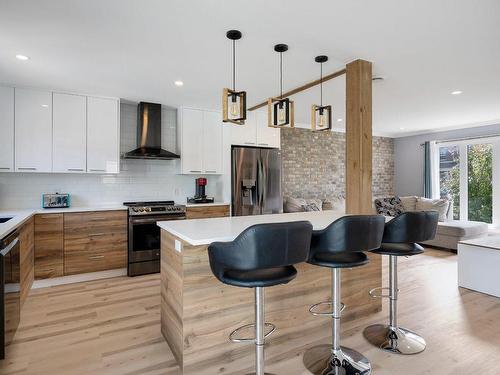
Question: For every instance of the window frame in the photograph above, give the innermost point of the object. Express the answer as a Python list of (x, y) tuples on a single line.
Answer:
[(463, 161)]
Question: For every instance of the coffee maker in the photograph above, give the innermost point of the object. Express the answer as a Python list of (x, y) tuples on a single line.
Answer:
[(200, 195)]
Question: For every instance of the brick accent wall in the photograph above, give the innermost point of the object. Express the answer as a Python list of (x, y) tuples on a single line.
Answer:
[(313, 164)]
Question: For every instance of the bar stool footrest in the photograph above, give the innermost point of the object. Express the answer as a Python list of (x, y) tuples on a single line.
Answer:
[(373, 293), (313, 309), (232, 336)]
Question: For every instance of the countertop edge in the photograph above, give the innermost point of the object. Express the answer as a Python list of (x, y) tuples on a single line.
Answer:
[(19, 217)]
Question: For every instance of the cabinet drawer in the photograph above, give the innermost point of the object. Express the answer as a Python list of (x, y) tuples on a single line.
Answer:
[(207, 212), (95, 241), (94, 222), (93, 260), (49, 242)]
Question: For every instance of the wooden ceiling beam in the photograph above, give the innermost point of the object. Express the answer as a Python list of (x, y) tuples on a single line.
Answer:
[(302, 88)]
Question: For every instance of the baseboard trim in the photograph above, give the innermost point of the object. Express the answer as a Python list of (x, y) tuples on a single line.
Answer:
[(44, 283)]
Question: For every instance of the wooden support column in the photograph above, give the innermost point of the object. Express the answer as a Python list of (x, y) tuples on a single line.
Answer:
[(359, 137)]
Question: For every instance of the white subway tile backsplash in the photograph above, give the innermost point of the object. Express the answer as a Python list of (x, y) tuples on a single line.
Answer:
[(138, 179)]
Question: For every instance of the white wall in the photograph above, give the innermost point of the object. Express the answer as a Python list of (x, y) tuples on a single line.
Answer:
[(409, 156), (138, 179)]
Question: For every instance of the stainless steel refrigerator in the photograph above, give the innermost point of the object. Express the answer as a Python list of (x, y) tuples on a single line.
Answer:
[(256, 181)]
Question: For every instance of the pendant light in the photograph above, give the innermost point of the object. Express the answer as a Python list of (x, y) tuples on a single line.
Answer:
[(280, 111), (234, 103), (321, 115)]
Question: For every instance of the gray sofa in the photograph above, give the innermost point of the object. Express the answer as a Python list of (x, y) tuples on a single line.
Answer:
[(449, 231)]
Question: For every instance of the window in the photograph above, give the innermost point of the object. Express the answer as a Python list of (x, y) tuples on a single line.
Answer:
[(449, 176), (467, 172)]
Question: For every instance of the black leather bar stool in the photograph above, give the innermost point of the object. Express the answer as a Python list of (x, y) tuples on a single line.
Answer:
[(341, 245), (401, 235), (261, 256)]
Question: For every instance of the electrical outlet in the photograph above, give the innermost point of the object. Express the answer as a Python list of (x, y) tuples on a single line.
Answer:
[(176, 192), (178, 246)]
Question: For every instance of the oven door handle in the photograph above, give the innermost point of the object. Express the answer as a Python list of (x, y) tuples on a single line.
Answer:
[(155, 219), (9, 247)]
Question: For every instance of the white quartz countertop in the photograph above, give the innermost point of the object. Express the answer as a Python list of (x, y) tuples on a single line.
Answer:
[(207, 204), (205, 231), (20, 216)]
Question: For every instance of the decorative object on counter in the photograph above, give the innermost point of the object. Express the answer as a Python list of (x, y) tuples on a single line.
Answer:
[(321, 115), (280, 111), (254, 267), (234, 103), (335, 247), (56, 200), (144, 234), (401, 235), (200, 195)]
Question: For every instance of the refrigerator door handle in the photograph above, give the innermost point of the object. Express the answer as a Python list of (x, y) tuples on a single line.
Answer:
[(259, 185), (265, 170)]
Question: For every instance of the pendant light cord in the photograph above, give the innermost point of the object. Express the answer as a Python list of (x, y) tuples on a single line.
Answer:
[(234, 65), (321, 84), (281, 75)]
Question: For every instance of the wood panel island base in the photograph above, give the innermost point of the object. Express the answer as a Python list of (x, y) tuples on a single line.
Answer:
[(198, 312)]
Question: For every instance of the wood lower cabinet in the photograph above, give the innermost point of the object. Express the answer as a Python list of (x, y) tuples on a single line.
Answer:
[(204, 212), (49, 244), (95, 241), (27, 260)]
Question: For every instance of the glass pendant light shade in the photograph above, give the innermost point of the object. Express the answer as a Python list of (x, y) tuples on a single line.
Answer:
[(321, 115), (280, 111), (234, 103), (234, 106)]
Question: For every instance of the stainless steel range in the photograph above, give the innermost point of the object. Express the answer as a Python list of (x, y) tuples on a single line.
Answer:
[(144, 234)]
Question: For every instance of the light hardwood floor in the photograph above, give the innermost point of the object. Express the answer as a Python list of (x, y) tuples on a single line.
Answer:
[(113, 327)]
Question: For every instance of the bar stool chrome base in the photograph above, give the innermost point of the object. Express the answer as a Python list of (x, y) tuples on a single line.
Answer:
[(321, 360), (395, 340)]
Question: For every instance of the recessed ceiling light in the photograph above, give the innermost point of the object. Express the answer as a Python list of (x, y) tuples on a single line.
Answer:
[(22, 57), (339, 120), (457, 92), (45, 105), (402, 128), (179, 83)]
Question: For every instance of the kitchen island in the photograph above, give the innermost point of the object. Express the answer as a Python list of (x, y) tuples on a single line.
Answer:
[(198, 312)]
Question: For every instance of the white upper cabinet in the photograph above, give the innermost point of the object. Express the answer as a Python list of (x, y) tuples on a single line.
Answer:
[(266, 136), (69, 133), (6, 129), (103, 135), (200, 141), (191, 140), (246, 134), (255, 132), (33, 130), (212, 142)]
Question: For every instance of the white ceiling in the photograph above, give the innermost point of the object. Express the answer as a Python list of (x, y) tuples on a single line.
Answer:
[(136, 49)]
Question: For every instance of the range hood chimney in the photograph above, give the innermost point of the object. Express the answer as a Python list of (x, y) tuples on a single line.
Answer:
[(149, 134)]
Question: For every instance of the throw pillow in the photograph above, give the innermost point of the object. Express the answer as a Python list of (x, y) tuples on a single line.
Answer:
[(389, 206), (409, 203), (294, 204), (317, 203), (439, 205), (310, 207)]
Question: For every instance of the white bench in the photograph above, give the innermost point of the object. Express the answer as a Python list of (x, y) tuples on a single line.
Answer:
[(479, 265)]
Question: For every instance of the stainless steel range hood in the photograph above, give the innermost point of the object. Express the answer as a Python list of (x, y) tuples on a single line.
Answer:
[(149, 134)]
